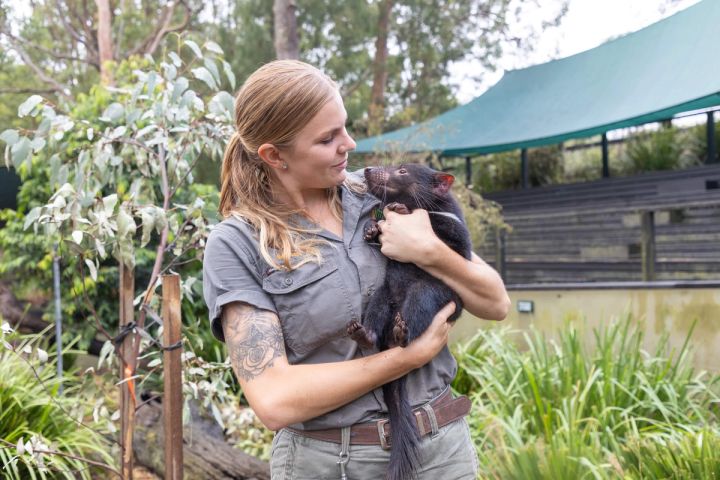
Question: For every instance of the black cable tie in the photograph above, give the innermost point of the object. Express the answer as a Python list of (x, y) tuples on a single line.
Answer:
[(124, 331), (174, 346)]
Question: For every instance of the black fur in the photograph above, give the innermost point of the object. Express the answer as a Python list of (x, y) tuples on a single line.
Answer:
[(403, 308)]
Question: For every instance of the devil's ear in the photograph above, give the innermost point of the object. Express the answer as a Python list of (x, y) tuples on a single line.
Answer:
[(443, 182)]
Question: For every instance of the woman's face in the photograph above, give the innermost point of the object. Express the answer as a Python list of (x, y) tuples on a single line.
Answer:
[(318, 156)]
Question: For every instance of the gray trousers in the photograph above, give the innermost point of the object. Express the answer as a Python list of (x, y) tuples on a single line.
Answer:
[(449, 455)]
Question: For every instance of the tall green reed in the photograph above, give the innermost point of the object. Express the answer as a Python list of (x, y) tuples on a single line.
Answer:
[(557, 410)]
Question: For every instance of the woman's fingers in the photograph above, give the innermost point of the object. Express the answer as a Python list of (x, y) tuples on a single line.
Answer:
[(446, 311)]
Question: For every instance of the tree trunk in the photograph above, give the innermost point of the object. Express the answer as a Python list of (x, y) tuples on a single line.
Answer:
[(286, 36), (205, 454), (376, 112), (104, 40)]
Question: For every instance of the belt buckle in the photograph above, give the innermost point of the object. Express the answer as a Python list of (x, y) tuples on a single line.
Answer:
[(384, 438)]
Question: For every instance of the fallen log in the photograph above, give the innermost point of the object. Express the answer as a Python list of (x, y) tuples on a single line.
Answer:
[(205, 454), (22, 317)]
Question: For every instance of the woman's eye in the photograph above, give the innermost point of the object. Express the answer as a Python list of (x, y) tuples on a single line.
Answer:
[(402, 171), (327, 140)]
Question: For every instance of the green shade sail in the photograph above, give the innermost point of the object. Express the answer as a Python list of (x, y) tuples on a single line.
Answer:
[(669, 67)]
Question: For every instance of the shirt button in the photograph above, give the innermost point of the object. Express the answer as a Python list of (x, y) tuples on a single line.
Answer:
[(288, 281), (370, 291)]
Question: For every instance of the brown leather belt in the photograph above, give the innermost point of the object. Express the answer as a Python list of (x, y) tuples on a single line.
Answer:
[(445, 409)]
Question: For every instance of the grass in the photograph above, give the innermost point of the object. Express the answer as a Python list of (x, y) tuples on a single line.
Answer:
[(560, 410)]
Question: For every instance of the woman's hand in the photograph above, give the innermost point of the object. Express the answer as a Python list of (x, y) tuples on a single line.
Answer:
[(407, 238), (428, 345)]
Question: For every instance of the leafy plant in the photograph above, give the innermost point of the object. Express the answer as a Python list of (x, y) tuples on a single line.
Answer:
[(43, 433)]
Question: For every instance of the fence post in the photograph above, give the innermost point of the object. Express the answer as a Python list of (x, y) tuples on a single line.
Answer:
[(127, 369), (605, 156), (468, 172), (500, 262), (647, 242), (711, 145), (172, 378)]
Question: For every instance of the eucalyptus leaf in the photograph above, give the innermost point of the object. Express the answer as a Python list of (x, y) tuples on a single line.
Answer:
[(194, 47), (31, 216), (109, 203), (37, 144), (29, 105), (125, 223), (113, 113), (170, 71), (175, 59), (20, 151), (213, 47), (44, 127), (9, 136), (118, 132), (203, 74), (212, 68), (229, 74), (77, 236), (100, 248), (179, 86), (148, 223), (93, 269)]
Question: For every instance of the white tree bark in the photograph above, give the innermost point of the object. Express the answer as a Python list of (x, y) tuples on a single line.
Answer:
[(104, 40), (287, 45)]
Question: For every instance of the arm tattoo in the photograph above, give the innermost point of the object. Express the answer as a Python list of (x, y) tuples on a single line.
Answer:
[(254, 339)]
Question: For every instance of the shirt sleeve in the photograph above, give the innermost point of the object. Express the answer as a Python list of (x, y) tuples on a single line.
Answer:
[(230, 275)]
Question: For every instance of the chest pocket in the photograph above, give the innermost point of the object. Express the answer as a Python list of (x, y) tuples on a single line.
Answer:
[(311, 304)]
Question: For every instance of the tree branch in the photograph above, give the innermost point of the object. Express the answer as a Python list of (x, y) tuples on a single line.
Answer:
[(39, 91), (152, 41), (40, 73), (74, 33), (58, 55)]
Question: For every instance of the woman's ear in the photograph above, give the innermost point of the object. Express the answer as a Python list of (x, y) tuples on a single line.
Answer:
[(270, 154)]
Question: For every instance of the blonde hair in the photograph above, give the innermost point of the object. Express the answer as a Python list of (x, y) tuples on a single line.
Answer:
[(272, 106)]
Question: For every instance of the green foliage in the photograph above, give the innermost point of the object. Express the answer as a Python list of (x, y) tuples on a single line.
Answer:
[(658, 150), (562, 410), (36, 417), (697, 142), (501, 171)]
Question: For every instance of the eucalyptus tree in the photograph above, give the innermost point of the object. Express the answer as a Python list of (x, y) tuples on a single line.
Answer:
[(128, 184)]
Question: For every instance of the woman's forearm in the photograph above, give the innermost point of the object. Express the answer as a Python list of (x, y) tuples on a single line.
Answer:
[(288, 394), (477, 283), (282, 394)]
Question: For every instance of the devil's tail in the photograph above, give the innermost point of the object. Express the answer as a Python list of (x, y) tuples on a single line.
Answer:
[(404, 436)]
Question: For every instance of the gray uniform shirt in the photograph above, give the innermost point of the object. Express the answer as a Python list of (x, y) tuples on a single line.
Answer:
[(314, 302)]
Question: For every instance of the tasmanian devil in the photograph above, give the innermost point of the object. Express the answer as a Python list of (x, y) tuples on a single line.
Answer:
[(404, 306)]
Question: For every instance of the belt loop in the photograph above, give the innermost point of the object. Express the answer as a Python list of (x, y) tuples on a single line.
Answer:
[(433, 419), (344, 455)]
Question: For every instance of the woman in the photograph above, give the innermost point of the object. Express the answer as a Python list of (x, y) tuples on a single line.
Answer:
[(288, 269)]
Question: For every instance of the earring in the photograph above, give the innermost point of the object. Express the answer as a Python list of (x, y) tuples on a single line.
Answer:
[(284, 166)]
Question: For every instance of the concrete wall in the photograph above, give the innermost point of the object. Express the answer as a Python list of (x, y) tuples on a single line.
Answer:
[(657, 310)]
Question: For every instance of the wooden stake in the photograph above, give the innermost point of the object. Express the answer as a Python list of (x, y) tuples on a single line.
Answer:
[(647, 241), (127, 370), (172, 397)]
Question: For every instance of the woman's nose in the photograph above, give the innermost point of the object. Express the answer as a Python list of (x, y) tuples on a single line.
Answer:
[(349, 144)]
